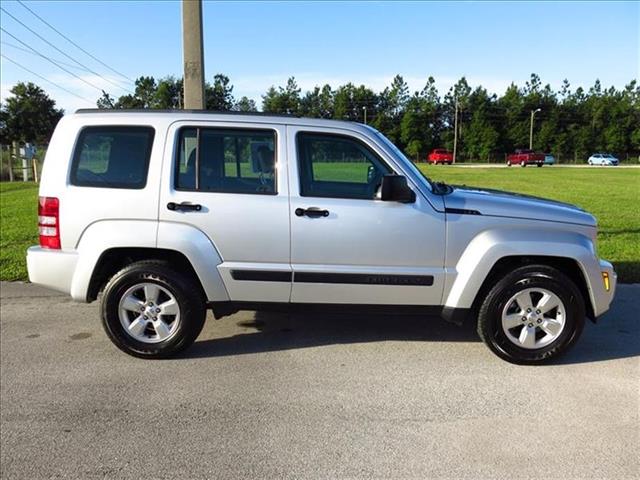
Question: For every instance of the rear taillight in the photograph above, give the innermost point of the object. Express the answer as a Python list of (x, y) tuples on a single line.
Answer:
[(49, 222)]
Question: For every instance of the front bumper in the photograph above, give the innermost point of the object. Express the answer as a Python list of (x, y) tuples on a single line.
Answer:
[(51, 268), (602, 298)]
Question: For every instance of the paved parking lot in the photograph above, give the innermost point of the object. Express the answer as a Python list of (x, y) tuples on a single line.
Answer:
[(272, 396)]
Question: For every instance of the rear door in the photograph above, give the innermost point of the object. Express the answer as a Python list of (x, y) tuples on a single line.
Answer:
[(229, 180), (348, 246)]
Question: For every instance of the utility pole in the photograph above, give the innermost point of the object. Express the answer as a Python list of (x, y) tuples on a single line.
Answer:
[(455, 133), (364, 109), (193, 53), (533, 112)]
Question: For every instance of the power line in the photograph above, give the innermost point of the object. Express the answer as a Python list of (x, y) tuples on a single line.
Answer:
[(63, 53), (74, 43), (31, 53), (52, 61), (45, 79)]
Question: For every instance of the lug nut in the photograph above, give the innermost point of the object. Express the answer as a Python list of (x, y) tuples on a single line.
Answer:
[(538, 312), (539, 320), (530, 325), (524, 319), (145, 317), (157, 310), (142, 308), (528, 310)]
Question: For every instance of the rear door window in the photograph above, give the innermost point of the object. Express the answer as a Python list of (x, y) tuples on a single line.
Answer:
[(226, 161), (112, 157)]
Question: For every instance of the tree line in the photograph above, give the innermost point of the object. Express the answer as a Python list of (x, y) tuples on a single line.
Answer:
[(571, 124)]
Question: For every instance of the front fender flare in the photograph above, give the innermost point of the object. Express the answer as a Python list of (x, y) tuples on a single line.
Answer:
[(486, 249)]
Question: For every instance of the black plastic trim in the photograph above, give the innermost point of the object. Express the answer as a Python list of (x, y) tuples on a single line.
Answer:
[(363, 279), (261, 275), (461, 211), (341, 278)]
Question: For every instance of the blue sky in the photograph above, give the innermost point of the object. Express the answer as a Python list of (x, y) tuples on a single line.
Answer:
[(259, 44)]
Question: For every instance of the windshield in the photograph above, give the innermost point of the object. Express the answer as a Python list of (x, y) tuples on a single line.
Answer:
[(401, 157)]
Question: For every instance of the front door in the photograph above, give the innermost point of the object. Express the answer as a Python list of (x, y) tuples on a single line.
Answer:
[(231, 183), (347, 245)]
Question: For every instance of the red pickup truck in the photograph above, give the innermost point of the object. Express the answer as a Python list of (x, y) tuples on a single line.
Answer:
[(440, 155), (525, 157)]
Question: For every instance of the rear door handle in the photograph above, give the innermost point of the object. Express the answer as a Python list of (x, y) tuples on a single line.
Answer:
[(184, 207), (313, 212)]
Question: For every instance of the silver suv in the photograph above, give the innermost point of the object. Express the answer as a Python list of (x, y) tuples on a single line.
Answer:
[(168, 214)]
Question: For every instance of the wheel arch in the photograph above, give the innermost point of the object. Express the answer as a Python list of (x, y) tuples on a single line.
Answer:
[(107, 246), (569, 266), (494, 252), (113, 260)]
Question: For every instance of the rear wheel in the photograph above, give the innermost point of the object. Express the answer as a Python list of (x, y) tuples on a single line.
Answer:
[(523, 163), (539, 164), (534, 314), (150, 310)]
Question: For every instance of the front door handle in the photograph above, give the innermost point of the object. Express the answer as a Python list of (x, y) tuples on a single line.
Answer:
[(184, 206), (313, 212)]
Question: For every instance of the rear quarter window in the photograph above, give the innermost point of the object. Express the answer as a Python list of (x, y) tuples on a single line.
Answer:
[(112, 157)]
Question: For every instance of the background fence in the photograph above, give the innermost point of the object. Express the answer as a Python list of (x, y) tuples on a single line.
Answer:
[(10, 160)]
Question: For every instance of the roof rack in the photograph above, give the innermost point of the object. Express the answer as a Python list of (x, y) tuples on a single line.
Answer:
[(205, 112)]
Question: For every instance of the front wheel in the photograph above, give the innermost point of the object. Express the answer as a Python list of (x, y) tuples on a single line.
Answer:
[(149, 310), (534, 314), (523, 164)]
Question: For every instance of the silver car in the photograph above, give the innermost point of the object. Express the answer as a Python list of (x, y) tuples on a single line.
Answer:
[(165, 215)]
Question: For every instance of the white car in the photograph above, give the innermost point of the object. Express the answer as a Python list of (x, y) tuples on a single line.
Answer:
[(168, 214), (549, 159), (604, 159)]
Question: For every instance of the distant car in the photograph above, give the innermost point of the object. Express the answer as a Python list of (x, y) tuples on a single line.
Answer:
[(440, 155), (604, 159), (549, 159), (524, 157)]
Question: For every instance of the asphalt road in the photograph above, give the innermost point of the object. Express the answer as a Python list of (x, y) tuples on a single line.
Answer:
[(268, 396)]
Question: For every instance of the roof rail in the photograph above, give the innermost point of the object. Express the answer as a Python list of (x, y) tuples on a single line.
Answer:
[(205, 112)]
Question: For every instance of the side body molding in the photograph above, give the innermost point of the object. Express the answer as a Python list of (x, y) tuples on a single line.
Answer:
[(488, 247)]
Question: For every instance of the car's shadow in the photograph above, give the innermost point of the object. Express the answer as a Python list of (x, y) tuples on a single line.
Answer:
[(282, 331), (612, 339)]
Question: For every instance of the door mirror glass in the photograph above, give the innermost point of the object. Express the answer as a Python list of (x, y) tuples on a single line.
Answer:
[(395, 189)]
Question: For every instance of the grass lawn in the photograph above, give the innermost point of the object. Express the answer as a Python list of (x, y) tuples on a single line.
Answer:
[(611, 194), (18, 227)]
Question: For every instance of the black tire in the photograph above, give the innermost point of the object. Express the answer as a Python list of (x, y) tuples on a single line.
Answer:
[(539, 164), (187, 295), (531, 276), (523, 164)]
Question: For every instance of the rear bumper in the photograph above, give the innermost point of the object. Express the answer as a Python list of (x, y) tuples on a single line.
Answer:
[(51, 268)]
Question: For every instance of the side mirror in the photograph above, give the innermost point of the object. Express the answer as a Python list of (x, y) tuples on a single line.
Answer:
[(395, 189)]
